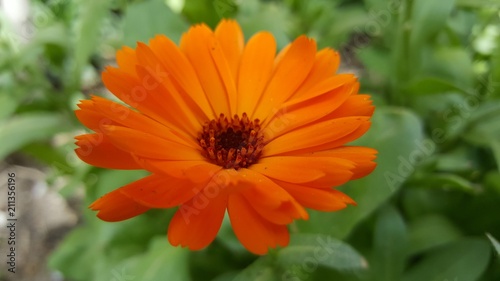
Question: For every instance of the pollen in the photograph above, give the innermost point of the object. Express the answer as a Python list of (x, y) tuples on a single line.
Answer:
[(232, 143)]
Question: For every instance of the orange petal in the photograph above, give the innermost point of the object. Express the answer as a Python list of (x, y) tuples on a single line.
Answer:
[(156, 79), (97, 150), (288, 75), (225, 73), (231, 41), (326, 63), (181, 71), (98, 112), (331, 132), (293, 169), (356, 105), (327, 85), (133, 92), (361, 130), (297, 112), (269, 199), (115, 206), (255, 70), (362, 157), (314, 171), (183, 117), (253, 231), (196, 223), (326, 200), (196, 45), (150, 146), (126, 60), (160, 191), (195, 171)]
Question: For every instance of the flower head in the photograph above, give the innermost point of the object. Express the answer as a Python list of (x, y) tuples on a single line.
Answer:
[(226, 125)]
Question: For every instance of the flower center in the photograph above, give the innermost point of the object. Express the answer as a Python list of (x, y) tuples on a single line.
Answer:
[(232, 142)]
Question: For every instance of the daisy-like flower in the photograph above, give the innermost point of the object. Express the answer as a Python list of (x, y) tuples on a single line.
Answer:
[(226, 125)]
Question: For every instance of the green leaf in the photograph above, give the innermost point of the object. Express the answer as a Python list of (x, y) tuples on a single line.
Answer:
[(494, 242), (484, 132), (433, 85), (445, 181), (78, 254), (209, 11), (375, 61), (389, 246), (88, 23), (397, 135), (24, 129), (259, 270), (494, 83), (307, 251), (160, 261), (464, 260), (144, 20), (428, 18), (450, 64), (495, 146), (8, 105), (255, 16), (430, 231), (478, 3)]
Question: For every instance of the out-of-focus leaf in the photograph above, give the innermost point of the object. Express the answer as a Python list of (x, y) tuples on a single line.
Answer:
[(161, 261), (451, 64), (21, 130), (144, 20), (432, 85), (209, 11), (483, 133), (88, 22), (430, 231), (259, 270), (93, 251), (445, 181), (77, 255), (484, 111), (8, 105), (428, 18), (478, 3), (494, 83), (464, 260), (494, 242), (492, 181), (375, 61), (397, 135), (255, 16), (307, 249), (389, 246), (495, 146), (456, 160)]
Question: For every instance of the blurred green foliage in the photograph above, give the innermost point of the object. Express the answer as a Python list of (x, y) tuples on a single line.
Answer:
[(432, 67)]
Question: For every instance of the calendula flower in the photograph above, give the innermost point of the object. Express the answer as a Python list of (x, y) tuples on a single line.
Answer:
[(226, 125)]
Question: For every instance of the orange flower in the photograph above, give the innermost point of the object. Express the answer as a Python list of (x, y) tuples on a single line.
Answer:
[(223, 125)]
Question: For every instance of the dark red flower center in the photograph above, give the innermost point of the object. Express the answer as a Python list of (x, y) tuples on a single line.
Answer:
[(232, 142)]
